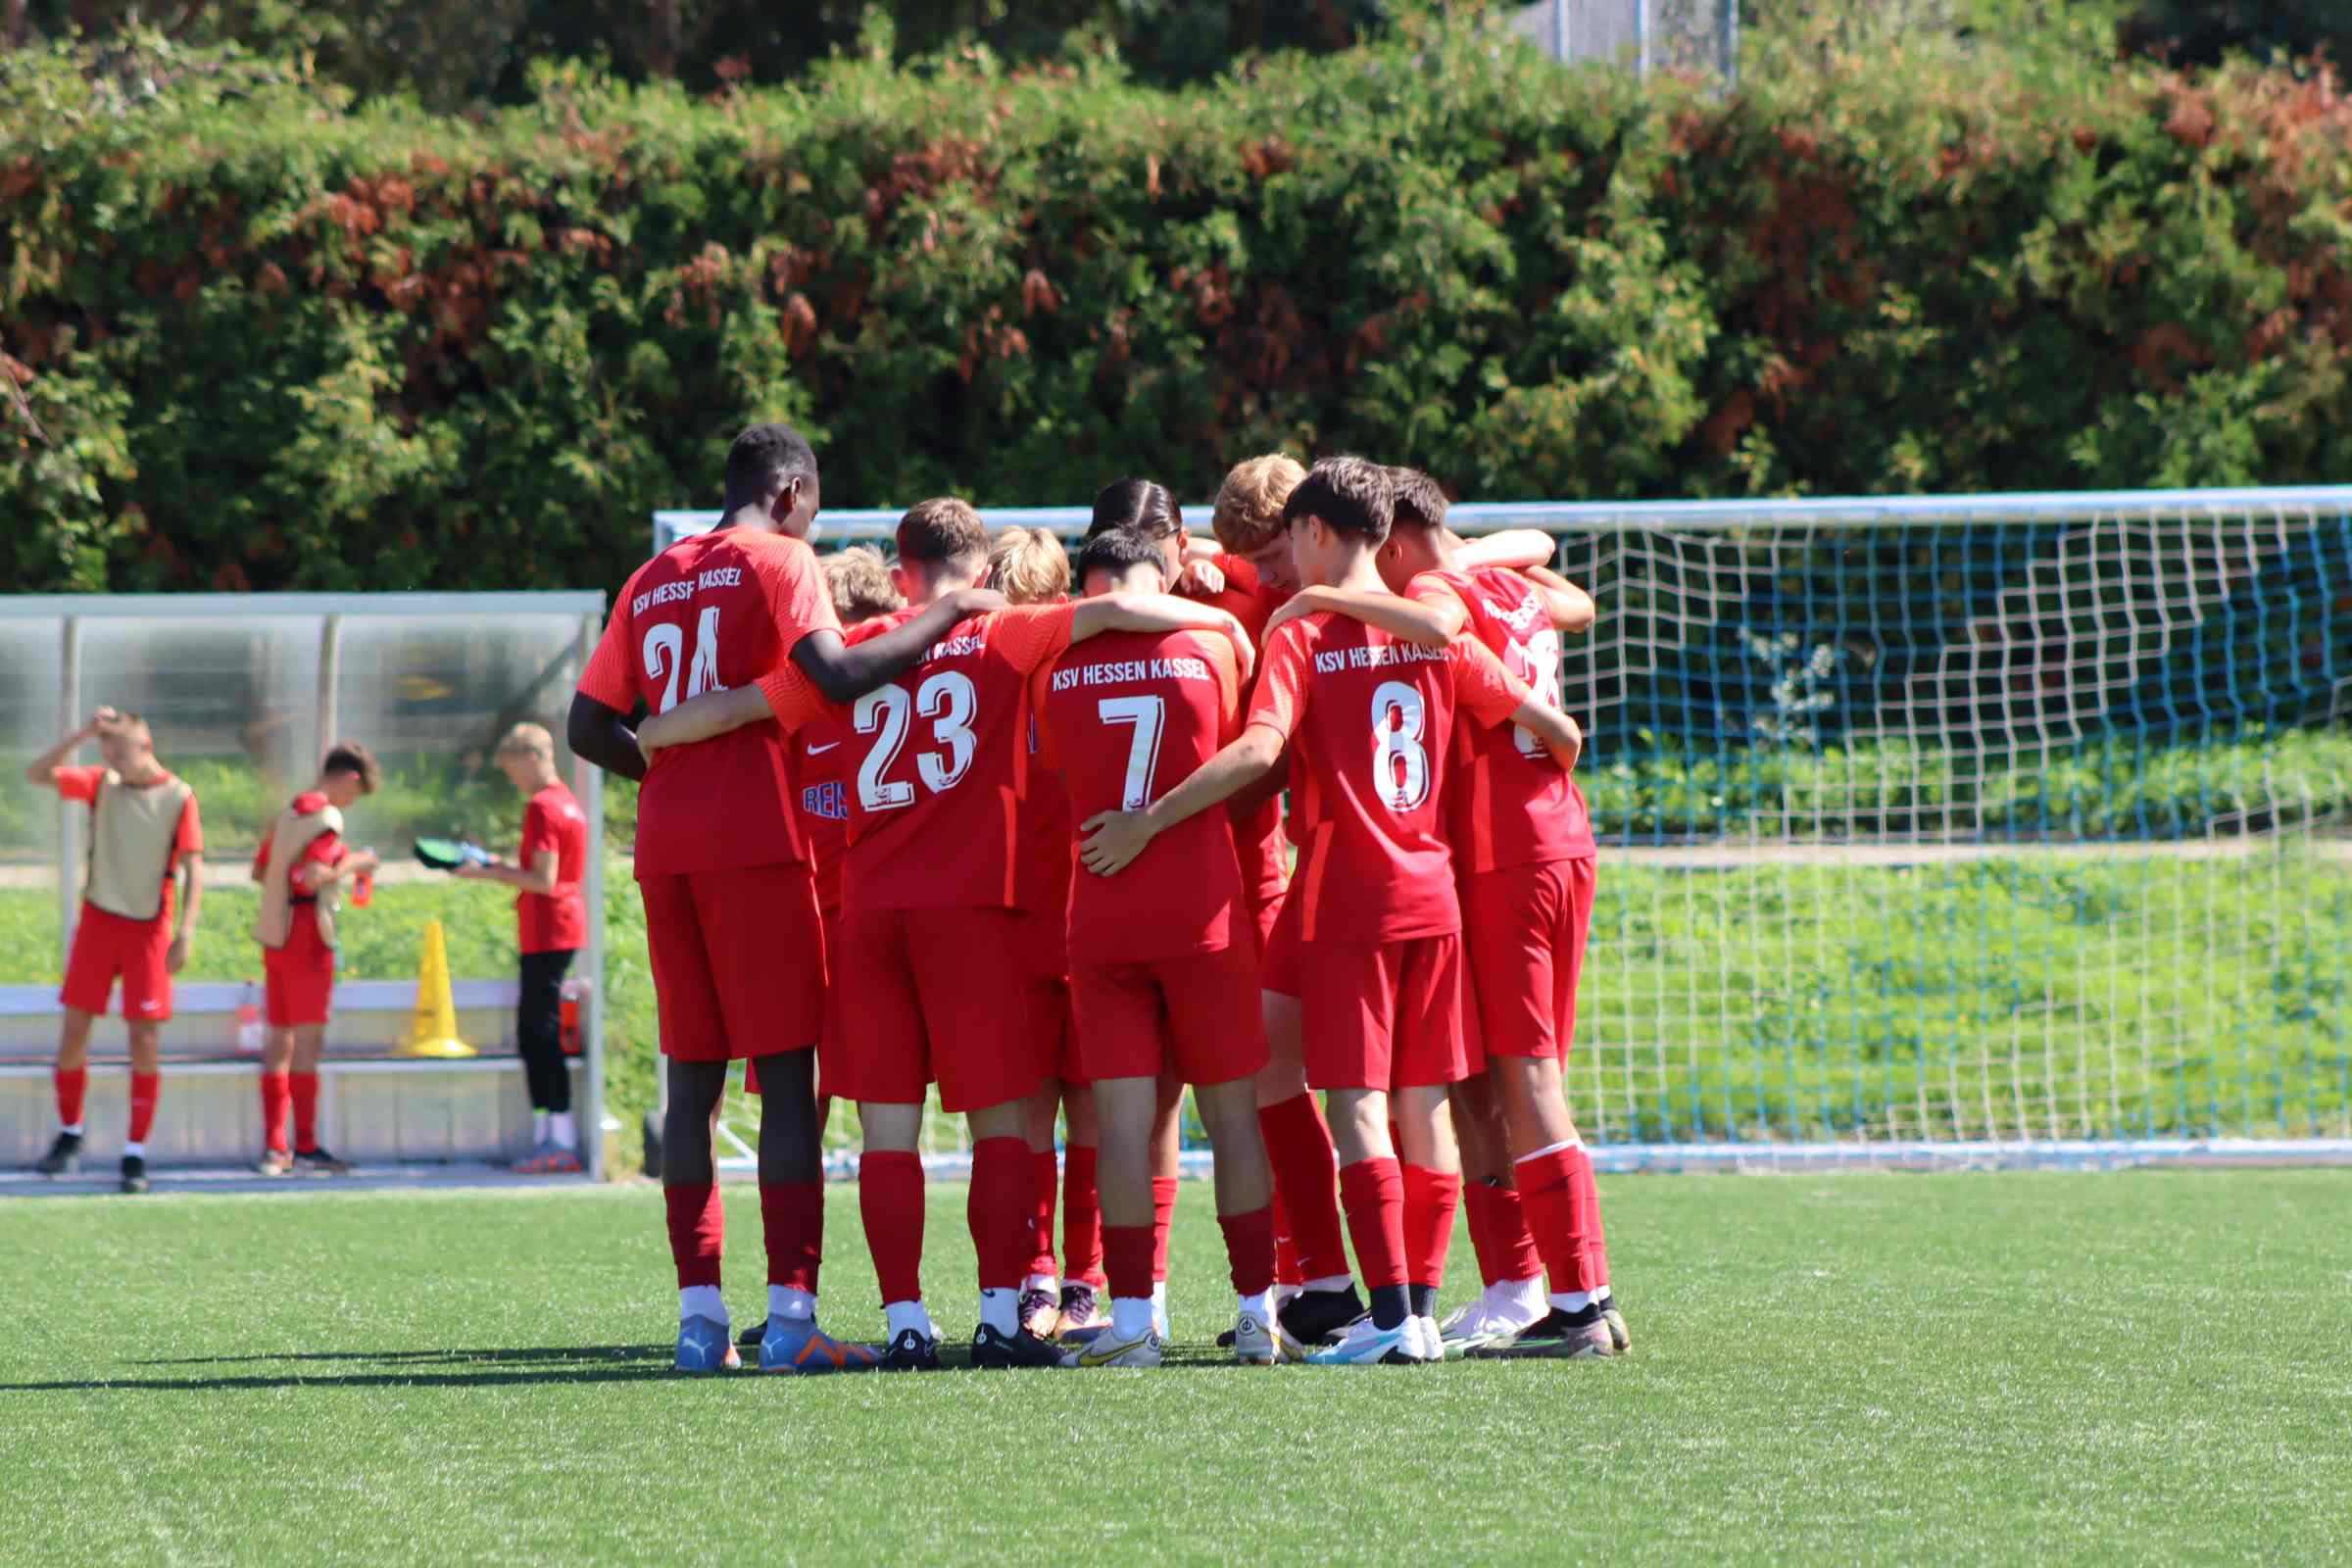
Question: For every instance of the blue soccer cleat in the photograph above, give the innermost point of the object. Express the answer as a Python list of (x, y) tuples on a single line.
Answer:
[(704, 1346), (798, 1345), (1367, 1345)]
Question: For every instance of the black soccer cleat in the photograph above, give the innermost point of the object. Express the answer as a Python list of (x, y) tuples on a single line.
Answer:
[(1311, 1317), (1581, 1334), (751, 1336), (911, 1351), (318, 1162), (63, 1158), (134, 1174), (994, 1350)]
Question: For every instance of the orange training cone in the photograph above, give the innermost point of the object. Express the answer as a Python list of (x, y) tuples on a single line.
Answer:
[(433, 1032)]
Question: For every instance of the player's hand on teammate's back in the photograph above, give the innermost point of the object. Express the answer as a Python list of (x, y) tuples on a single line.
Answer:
[(1113, 840), (1201, 579)]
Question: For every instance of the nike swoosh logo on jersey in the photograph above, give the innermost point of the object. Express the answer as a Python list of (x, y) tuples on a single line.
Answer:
[(818, 750)]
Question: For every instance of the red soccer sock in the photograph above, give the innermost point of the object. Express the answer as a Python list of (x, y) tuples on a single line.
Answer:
[(276, 1093), (1559, 1217), (1163, 1215), (1082, 1217), (1431, 1198), (792, 1220), (1499, 1235), (1048, 1179), (890, 1199), (1373, 1190), (1597, 1248), (1286, 1252), (305, 1087), (697, 1231), (1250, 1250), (71, 1085), (1002, 1210), (1299, 1149), (146, 1088), (1127, 1257)]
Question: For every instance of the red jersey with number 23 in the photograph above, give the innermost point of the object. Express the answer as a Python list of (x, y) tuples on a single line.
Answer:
[(936, 761), (1510, 803), (1370, 720), (1126, 717), (712, 613)]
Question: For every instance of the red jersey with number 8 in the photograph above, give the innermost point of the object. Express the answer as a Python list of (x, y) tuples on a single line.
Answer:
[(712, 613), (1511, 804), (1125, 718), (936, 761), (1370, 718)]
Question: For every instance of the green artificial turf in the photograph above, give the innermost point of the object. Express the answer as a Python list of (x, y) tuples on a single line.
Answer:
[(1953, 1368)]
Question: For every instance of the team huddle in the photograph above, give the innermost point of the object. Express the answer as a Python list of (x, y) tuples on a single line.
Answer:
[(989, 822)]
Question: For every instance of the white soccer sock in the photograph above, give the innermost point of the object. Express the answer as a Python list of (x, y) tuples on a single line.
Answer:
[(1130, 1316), (1550, 1149), (1329, 1281), (1260, 1307), (900, 1316), (134, 1151), (1160, 1307), (1600, 1294), (74, 1131), (566, 1132), (1571, 1301), (539, 1119), (785, 1301), (1521, 1299), (1001, 1309), (1042, 1282), (702, 1300)]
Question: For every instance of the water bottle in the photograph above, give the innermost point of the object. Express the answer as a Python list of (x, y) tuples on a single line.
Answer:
[(362, 888), (575, 991), (249, 1021)]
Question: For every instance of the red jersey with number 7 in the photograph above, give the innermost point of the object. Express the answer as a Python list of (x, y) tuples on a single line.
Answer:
[(712, 613), (1511, 803), (1126, 717), (936, 761), (1370, 720)]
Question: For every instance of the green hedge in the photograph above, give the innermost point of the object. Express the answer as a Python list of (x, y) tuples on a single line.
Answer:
[(272, 343)]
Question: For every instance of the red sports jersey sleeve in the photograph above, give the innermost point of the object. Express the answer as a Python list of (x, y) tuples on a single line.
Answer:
[(79, 783), (1132, 716), (1030, 635), (190, 839), (794, 698), (1486, 691), (1510, 803), (1280, 700)]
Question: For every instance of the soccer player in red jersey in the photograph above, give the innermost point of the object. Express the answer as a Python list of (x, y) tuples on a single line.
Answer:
[(551, 925), (931, 976), (301, 864), (1369, 719), (1163, 962), (146, 843), (732, 926)]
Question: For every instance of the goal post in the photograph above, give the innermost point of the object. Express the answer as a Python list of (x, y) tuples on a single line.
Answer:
[(1956, 829)]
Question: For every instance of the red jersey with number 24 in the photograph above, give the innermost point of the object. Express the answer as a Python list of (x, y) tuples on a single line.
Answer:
[(712, 613), (1370, 720), (936, 761), (1126, 717), (1510, 803)]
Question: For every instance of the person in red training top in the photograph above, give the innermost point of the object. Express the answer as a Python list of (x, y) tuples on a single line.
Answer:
[(302, 865), (932, 979), (1163, 961), (1369, 720), (1029, 566), (551, 920), (732, 928), (145, 840)]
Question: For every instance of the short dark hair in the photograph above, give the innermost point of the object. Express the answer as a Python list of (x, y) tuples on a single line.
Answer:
[(763, 459), (1420, 503), (1119, 552), (350, 756), (942, 531), (1352, 495), (1140, 505)]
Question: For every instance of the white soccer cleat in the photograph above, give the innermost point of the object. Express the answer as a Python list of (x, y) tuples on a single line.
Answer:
[(1493, 1317), (1106, 1348), (1366, 1346), (1432, 1343), (1254, 1343)]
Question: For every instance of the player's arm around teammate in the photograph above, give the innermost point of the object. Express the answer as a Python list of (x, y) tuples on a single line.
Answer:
[(145, 844)]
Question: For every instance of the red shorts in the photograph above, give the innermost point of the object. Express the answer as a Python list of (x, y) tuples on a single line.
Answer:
[(108, 945), (1383, 1016), (738, 960), (298, 980), (1045, 982), (1524, 929), (828, 1034), (1279, 972), (1196, 1016), (934, 994)]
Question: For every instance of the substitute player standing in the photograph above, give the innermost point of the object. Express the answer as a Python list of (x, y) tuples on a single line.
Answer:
[(1163, 961), (551, 925), (932, 981), (1368, 720), (144, 838), (302, 865), (732, 928)]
